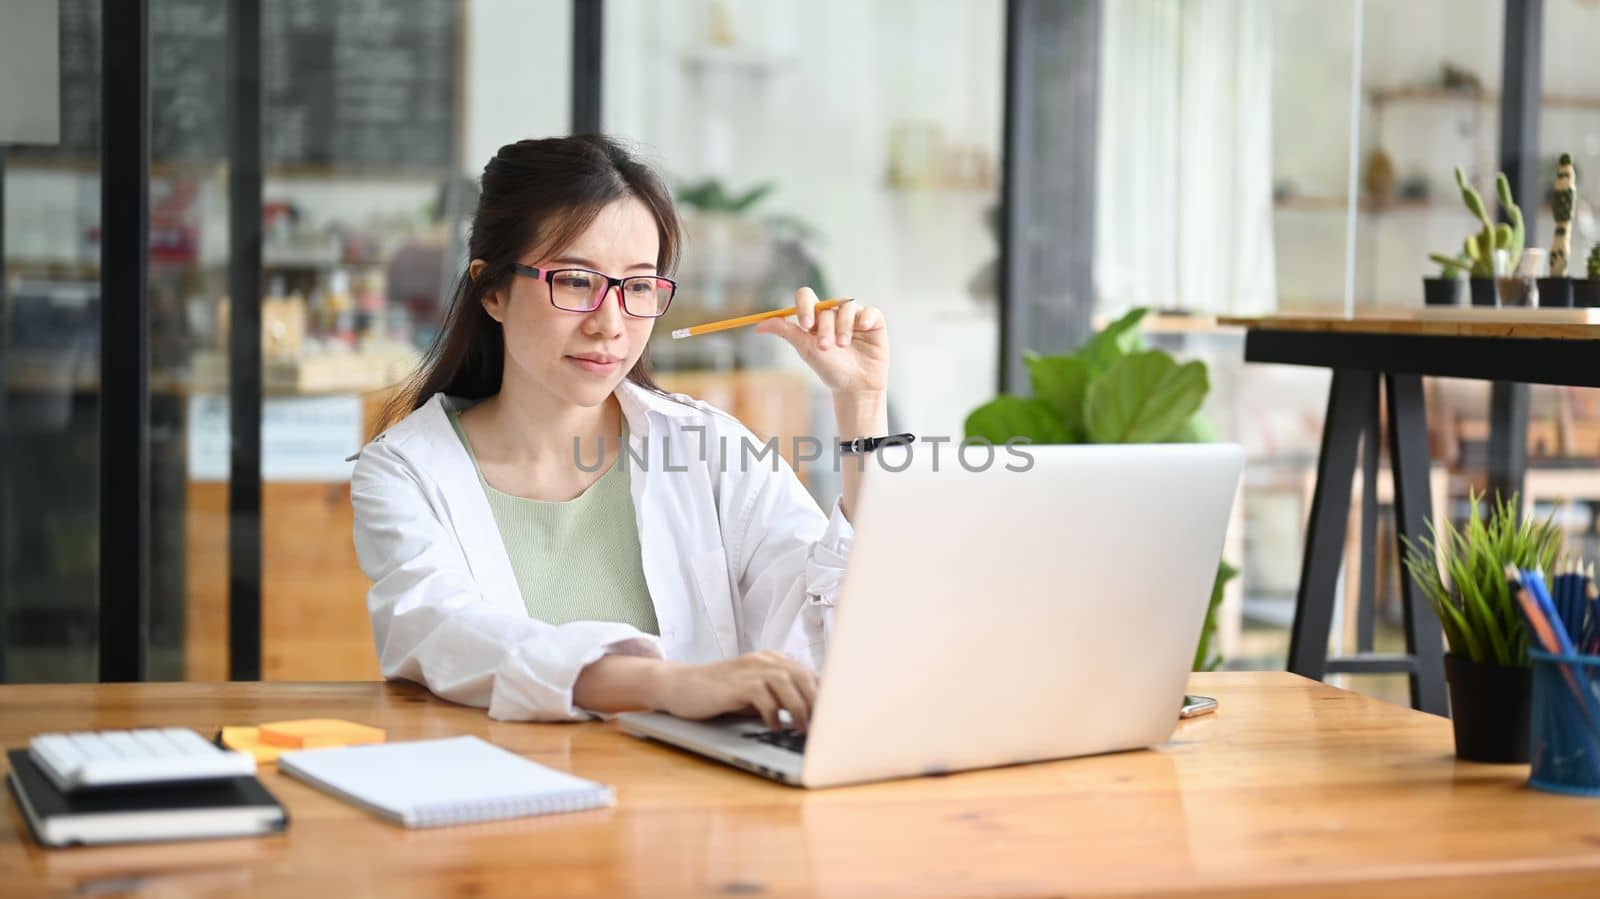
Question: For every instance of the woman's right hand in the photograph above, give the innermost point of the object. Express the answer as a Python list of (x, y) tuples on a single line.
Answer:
[(761, 681)]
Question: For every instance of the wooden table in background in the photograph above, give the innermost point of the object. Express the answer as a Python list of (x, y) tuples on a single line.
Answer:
[(1291, 786), (1393, 351)]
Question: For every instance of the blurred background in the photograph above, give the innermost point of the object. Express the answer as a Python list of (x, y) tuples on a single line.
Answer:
[(1200, 158)]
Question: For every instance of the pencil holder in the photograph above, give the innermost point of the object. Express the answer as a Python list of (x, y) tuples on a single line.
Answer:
[(1566, 724)]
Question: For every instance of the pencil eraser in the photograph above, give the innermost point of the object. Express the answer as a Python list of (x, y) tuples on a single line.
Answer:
[(680, 333)]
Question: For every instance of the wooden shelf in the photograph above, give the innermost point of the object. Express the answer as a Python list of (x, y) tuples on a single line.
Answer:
[(314, 262), (1174, 323), (88, 266), (90, 165), (1381, 96), (1318, 204), (1378, 207), (91, 267)]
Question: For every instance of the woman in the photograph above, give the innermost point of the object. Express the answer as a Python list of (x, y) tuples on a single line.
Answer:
[(521, 560)]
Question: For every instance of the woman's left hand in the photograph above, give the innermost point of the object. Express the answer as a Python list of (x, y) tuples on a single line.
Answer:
[(847, 346)]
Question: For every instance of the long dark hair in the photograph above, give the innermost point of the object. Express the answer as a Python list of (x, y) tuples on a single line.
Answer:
[(533, 190)]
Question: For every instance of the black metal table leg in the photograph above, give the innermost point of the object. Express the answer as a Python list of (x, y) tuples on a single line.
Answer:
[(1409, 458), (1367, 596), (1508, 440), (1351, 397), (1413, 506)]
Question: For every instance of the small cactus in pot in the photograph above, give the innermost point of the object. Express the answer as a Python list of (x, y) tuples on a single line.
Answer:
[(1495, 249), (1480, 248), (1586, 291), (1566, 195), (1556, 290), (1445, 290)]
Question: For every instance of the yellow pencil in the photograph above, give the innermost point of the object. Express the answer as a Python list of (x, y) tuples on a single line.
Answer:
[(743, 320)]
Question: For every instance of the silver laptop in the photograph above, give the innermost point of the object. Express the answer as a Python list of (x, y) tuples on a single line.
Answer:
[(997, 617)]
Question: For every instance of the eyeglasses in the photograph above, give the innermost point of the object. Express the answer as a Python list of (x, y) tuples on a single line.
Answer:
[(582, 290)]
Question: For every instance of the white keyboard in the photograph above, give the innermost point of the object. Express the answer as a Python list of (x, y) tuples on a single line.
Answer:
[(112, 758)]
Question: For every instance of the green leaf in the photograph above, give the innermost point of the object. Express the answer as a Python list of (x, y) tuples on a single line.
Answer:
[(1006, 417), (1196, 430), (705, 194), (1143, 398), (1461, 571), (1204, 660), (1117, 340), (1061, 382), (751, 197), (710, 195), (1451, 267)]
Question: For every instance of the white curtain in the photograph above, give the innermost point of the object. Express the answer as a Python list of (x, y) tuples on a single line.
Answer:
[(1183, 208)]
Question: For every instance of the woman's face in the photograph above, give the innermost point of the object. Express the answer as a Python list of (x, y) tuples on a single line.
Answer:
[(580, 357)]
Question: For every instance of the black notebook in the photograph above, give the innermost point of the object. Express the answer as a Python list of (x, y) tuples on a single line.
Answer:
[(235, 807)]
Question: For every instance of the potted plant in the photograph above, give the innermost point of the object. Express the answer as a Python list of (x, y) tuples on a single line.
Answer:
[(1462, 573), (1556, 290), (1494, 250), (1445, 290), (1111, 390), (1586, 292), (732, 247), (737, 249)]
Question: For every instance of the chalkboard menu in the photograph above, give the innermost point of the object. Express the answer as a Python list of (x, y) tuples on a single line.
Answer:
[(347, 84)]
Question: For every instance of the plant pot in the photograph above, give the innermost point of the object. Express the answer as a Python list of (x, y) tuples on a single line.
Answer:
[(1441, 291), (1515, 291), (1586, 292), (1482, 291), (1489, 709), (1555, 292), (732, 255)]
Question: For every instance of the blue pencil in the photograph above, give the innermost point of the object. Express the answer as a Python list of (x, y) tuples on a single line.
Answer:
[(1534, 580), (1591, 598), (1558, 598), (1576, 601), (1569, 595), (1570, 617), (1573, 613)]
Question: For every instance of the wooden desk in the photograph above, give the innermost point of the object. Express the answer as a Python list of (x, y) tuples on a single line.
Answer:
[(1292, 785)]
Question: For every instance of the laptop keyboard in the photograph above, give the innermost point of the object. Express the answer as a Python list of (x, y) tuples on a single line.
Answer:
[(792, 740)]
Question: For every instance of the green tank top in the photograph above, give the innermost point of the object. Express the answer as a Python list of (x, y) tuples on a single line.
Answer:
[(577, 560)]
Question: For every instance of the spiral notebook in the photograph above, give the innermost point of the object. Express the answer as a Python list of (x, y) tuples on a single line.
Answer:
[(436, 783)]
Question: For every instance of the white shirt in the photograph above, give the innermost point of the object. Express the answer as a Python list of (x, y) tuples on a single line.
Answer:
[(737, 557)]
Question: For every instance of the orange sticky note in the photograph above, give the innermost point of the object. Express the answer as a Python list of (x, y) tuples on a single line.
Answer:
[(319, 733), (248, 740)]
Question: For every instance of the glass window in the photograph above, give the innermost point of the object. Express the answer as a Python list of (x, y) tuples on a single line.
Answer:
[(378, 118), (187, 277), (851, 147), (1564, 422), (1294, 156), (49, 421)]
